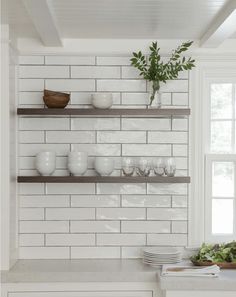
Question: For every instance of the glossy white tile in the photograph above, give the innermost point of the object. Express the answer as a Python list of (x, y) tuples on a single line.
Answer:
[(121, 213), (44, 253), (121, 137), (31, 239), (74, 188), (145, 227), (95, 72), (121, 239), (167, 239), (95, 200), (69, 60), (104, 188), (70, 213), (165, 189), (70, 137), (166, 213), (44, 72), (67, 85), (95, 124), (146, 124), (95, 226), (70, 239), (45, 201), (44, 226), (121, 85), (146, 201), (95, 252)]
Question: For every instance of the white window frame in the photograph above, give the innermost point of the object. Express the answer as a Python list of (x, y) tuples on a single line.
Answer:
[(204, 73), (210, 159)]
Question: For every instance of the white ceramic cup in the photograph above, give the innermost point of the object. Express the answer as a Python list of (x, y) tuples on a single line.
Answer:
[(46, 163), (102, 100), (77, 168), (104, 165)]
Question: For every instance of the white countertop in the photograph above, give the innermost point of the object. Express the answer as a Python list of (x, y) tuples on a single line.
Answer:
[(225, 282), (80, 271), (111, 271)]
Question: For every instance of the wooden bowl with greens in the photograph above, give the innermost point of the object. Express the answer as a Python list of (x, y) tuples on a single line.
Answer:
[(223, 255)]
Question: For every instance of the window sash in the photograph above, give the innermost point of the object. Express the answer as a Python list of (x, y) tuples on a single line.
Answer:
[(209, 160)]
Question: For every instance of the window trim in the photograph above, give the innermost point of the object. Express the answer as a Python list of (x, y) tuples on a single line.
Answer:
[(199, 77)]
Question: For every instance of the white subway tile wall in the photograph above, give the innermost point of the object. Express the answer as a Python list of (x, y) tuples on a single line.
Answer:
[(72, 221)]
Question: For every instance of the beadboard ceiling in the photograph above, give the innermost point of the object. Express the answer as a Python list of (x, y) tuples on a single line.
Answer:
[(159, 19)]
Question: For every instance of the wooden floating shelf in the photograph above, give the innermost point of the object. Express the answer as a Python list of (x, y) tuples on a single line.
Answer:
[(103, 179), (104, 112)]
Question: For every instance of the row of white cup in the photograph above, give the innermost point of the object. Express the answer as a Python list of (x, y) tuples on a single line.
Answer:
[(78, 164)]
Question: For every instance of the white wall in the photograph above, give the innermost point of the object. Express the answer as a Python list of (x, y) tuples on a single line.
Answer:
[(98, 220)]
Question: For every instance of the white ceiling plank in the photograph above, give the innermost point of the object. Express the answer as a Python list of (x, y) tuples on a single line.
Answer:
[(44, 21), (222, 27)]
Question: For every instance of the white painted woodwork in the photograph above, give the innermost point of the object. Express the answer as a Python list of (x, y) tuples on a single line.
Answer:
[(146, 19), (44, 21), (8, 153), (222, 27)]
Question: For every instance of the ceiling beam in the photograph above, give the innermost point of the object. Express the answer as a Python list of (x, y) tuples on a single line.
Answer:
[(223, 26), (42, 17)]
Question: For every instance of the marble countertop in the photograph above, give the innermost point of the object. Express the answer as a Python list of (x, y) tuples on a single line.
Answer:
[(111, 271), (225, 282), (80, 271)]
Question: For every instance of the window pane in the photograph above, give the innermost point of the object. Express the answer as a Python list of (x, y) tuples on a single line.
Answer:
[(222, 216), (221, 136), (221, 101), (223, 179)]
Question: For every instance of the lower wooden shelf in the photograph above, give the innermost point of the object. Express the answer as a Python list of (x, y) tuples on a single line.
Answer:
[(103, 179)]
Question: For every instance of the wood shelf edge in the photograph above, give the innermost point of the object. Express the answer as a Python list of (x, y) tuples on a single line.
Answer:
[(102, 179), (104, 112)]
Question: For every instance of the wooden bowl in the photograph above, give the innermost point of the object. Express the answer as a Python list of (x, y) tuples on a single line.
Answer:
[(56, 101), (53, 99), (52, 93), (223, 265)]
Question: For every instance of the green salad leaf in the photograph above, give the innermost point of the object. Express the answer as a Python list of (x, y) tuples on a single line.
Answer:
[(225, 252)]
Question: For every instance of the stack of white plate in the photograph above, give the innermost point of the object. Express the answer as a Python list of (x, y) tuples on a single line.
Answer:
[(156, 256)]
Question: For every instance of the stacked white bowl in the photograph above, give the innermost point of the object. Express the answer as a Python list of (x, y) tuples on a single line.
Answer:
[(156, 256), (46, 163), (104, 165), (77, 162)]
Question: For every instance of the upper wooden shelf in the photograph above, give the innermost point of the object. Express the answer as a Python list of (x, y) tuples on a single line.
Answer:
[(105, 112), (103, 179)]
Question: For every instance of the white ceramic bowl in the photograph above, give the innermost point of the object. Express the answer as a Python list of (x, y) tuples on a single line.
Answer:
[(77, 168), (45, 168), (46, 156), (45, 163), (76, 156), (104, 165), (102, 100)]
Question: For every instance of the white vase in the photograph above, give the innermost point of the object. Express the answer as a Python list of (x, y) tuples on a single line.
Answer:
[(104, 165), (46, 163)]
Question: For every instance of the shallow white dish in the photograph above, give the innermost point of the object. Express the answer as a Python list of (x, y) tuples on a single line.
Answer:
[(161, 250)]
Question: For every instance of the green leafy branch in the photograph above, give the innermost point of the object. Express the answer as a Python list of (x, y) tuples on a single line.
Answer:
[(156, 70)]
